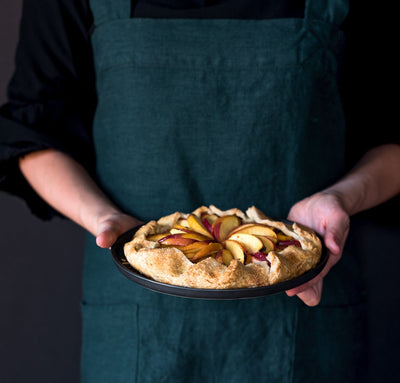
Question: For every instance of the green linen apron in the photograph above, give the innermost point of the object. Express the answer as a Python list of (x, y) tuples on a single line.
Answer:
[(227, 112)]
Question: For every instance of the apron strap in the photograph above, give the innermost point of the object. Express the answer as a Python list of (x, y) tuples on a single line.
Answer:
[(330, 11), (110, 10)]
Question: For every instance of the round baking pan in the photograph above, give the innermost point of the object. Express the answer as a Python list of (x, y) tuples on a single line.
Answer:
[(118, 256)]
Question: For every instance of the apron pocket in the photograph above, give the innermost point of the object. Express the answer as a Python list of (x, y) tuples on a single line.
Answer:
[(109, 350), (245, 343)]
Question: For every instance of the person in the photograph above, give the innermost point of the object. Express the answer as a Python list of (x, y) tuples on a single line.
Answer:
[(151, 108)]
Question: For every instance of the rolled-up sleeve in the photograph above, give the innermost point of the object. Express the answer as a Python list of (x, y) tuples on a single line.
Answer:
[(51, 96)]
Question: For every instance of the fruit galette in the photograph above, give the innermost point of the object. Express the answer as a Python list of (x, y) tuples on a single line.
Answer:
[(214, 249)]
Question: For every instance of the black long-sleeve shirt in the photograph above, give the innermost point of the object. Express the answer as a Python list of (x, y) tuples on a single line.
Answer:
[(52, 96)]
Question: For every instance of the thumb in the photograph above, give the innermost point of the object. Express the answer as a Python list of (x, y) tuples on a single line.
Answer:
[(107, 234)]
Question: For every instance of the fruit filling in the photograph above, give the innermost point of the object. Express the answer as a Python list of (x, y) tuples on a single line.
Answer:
[(224, 238)]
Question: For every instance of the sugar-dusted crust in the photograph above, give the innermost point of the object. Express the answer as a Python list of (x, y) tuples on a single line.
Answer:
[(170, 265)]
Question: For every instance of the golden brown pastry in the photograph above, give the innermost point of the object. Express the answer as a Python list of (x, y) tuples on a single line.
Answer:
[(214, 249)]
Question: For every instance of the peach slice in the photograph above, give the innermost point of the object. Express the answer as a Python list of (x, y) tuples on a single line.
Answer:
[(177, 231), (236, 249), (243, 226), (206, 224), (181, 228), (157, 237), (249, 259), (224, 225), (176, 240), (196, 225), (183, 222), (191, 254), (211, 218), (283, 237), (206, 251), (208, 220), (224, 256), (268, 243), (195, 246), (250, 243), (187, 233), (196, 236), (256, 229)]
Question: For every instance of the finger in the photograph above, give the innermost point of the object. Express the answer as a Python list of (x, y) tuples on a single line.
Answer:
[(332, 243), (312, 296), (336, 233), (296, 290), (334, 239), (306, 286)]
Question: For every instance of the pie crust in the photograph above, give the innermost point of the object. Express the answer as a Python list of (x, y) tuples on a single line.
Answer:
[(170, 265)]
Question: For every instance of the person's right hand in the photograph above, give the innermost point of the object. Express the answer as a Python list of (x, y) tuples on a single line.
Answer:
[(109, 227), (67, 186)]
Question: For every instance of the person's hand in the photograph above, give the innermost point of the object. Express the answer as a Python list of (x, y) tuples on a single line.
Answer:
[(325, 213), (109, 227)]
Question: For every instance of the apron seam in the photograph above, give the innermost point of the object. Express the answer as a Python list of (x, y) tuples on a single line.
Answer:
[(200, 68), (261, 67)]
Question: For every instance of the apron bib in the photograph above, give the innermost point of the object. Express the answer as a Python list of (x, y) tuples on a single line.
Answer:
[(227, 112)]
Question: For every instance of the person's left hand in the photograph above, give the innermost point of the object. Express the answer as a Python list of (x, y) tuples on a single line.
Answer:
[(325, 213)]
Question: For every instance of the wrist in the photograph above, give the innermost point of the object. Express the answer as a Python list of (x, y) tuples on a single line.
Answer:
[(350, 193)]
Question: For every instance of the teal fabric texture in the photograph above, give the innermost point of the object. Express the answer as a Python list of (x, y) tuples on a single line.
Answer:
[(212, 72), (233, 113)]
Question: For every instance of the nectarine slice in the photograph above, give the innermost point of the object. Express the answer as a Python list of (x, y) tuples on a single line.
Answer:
[(251, 243), (256, 229), (283, 237), (157, 237), (196, 236), (183, 222), (208, 250), (267, 242), (226, 257), (195, 246), (196, 225), (181, 228), (224, 225), (236, 250), (211, 218), (176, 240), (240, 227)]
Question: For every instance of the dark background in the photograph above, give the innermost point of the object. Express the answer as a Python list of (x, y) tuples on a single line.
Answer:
[(40, 271), (40, 278)]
